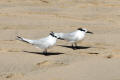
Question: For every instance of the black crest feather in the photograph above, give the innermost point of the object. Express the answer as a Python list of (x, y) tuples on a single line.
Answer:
[(81, 29)]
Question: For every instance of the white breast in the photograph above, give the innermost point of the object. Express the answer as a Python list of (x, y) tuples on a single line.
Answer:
[(45, 42), (74, 36)]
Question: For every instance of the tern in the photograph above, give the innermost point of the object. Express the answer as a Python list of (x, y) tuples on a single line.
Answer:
[(43, 43), (74, 37)]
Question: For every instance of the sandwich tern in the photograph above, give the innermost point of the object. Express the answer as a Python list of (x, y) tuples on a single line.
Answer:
[(74, 37), (43, 43)]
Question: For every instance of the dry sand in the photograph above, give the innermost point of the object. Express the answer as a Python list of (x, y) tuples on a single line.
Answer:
[(97, 59)]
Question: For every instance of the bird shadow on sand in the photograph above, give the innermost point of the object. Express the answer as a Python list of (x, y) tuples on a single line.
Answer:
[(78, 47), (41, 53)]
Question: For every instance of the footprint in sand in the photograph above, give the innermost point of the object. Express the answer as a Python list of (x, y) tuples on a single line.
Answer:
[(43, 63), (109, 56), (47, 63), (115, 55), (12, 75), (44, 1)]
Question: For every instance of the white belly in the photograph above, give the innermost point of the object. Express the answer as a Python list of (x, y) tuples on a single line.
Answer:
[(46, 45)]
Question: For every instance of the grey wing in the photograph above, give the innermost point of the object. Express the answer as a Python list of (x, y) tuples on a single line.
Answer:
[(39, 42), (69, 36), (59, 35)]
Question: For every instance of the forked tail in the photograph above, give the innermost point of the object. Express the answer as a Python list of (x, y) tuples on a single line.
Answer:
[(24, 40)]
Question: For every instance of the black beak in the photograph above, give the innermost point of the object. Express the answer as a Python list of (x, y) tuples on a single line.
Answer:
[(89, 32)]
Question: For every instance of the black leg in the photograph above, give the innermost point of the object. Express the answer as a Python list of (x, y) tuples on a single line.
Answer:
[(76, 45), (73, 47), (45, 52)]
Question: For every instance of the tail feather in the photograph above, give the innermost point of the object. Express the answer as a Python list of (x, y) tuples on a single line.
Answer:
[(23, 39), (60, 36)]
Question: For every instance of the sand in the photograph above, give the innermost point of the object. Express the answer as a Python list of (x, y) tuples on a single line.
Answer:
[(98, 57)]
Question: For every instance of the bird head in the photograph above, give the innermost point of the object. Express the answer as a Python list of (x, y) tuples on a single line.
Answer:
[(85, 30), (54, 35)]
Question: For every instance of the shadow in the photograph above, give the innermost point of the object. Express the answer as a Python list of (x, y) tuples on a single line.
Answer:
[(41, 53), (78, 47)]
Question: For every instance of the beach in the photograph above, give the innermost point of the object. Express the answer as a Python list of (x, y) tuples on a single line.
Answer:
[(98, 55)]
